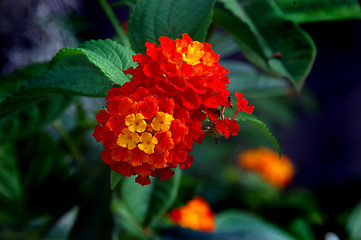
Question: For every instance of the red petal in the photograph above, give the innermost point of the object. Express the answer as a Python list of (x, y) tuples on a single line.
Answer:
[(106, 156), (190, 98), (125, 169), (149, 107), (142, 180), (102, 116), (166, 174)]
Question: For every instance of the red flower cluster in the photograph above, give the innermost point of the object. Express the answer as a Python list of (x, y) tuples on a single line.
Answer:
[(152, 121), (185, 70)]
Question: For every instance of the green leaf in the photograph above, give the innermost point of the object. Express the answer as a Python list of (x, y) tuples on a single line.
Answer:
[(305, 203), (253, 191), (147, 203), (251, 119), (72, 72), (37, 190), (11, 191), (83, 81), (37, 115), (94, 217), (136, 198), (62, 227), (247, 79), (223, 44), (125, 220), (354, 223), (44, 164), (260, 38), (240, 26), (301, 228), (246, 226), (164, 194), (151, 19), (110, 57), (12, 81), (321, 10), (115, 177)]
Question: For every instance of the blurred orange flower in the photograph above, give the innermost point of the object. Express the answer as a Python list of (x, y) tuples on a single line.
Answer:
[(266, 162), (196, 215)]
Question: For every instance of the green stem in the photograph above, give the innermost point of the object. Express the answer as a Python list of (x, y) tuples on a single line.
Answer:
[(114, 20), (120, 3), (70, 142)]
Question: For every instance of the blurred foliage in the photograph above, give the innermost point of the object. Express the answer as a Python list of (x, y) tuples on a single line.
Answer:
[(54, 185)]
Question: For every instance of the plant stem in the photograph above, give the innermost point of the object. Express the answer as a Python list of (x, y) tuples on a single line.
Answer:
[(235, 114), (114, 20), (70, 142)]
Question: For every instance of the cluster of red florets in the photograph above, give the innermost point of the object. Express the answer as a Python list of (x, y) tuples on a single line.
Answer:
[(152, 121)]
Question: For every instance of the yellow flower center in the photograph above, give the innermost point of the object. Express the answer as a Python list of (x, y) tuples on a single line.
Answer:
[(128, 139), (148, 143), (197, 53), (136, 123), (162, 122), (140, 132), (194, 53)]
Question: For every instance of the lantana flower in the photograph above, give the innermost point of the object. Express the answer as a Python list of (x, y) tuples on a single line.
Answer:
[(143, 135), (196, 215), (150, 123), (266, 162)]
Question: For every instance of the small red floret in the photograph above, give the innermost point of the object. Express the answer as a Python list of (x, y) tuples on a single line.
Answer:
[(242, 103), (227, 127)]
